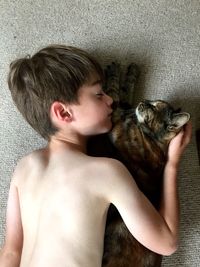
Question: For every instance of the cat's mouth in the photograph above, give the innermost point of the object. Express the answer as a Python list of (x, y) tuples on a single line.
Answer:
[(141, 110)]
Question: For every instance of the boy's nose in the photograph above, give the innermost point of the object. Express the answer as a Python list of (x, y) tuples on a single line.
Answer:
[(109, 100)]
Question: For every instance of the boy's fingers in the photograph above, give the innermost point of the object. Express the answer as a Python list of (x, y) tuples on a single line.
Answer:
[(178, 138), (187, 133), (183, 137)]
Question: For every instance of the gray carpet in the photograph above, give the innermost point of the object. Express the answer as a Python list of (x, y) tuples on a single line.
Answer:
[(163, 37)]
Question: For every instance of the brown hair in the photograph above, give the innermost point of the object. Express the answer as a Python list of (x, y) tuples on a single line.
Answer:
[(55, 73)]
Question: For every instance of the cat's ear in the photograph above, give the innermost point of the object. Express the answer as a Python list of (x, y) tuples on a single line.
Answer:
[(178, 121)]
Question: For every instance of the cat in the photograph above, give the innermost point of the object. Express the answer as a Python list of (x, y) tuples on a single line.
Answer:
[(139, 138)]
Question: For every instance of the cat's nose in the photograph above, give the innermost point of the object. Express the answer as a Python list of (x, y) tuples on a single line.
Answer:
[(141, 106)]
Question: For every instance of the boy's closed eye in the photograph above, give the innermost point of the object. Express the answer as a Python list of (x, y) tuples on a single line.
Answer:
[(99, 95)]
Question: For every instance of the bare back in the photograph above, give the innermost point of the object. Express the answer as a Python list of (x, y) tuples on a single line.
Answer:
[(63, 210), (64, 196)]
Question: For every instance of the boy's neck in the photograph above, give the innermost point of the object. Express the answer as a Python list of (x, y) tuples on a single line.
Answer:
[(76, 143)]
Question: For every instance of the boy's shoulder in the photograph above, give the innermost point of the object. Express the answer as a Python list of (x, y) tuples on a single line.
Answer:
[(26, 163), (107, 164), (33, 157), (108, 169)]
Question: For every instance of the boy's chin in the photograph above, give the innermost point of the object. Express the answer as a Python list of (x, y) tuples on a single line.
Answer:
[(106, 130), (96, 130), (102, 131)]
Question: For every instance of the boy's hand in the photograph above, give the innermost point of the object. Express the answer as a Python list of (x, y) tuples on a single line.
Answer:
[(178, 145)]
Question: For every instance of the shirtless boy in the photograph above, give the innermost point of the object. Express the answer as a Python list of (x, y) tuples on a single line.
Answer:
[(59, 196)]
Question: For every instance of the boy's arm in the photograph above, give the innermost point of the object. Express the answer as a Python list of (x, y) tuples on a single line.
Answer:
[(158, 231), (169, 208), (10, 254)]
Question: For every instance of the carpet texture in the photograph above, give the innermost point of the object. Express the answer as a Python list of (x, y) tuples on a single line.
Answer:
[(162, 37)]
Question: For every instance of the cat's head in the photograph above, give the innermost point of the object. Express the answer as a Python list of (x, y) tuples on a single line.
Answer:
[(160, 119)]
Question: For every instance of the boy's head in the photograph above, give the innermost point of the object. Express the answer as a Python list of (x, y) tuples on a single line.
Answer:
[(54, 73)]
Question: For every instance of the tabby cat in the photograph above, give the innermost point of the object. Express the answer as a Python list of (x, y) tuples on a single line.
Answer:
[(139, 138)]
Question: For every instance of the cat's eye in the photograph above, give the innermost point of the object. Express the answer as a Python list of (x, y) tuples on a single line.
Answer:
[(153, 107)]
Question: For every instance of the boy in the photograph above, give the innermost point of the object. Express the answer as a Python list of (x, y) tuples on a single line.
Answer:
[(59, 196)]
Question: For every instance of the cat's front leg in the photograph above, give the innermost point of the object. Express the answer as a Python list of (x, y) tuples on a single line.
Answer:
[(112, 77), (127, 91)]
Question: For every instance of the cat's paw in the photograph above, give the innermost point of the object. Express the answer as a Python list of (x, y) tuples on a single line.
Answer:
[(127, 90), (112, 79), (133, 72), (113, 70)]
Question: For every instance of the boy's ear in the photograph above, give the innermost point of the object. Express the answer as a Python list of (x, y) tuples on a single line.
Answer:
[(61, 112)]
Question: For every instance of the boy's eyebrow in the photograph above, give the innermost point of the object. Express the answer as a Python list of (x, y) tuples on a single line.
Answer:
[(99, 81)]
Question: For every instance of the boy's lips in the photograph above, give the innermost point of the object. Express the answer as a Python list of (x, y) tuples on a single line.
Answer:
[(110, 113)]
